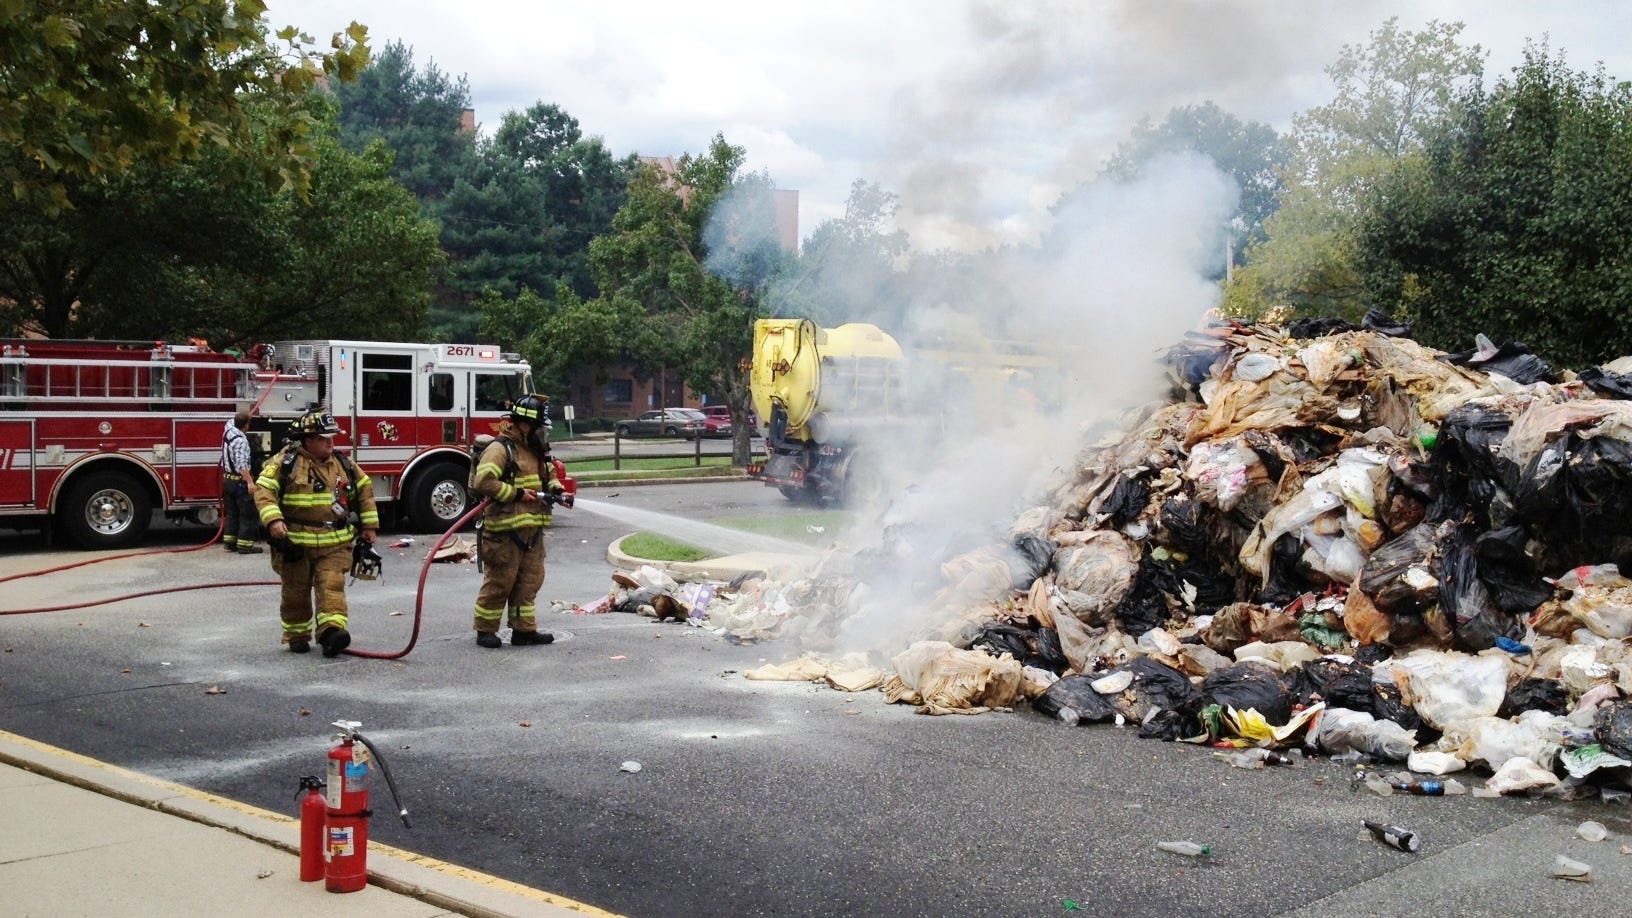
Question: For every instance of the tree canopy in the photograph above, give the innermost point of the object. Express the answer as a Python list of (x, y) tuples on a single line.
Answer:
[(90, 89), (1512, 223), (202, 249), (1390, 92), (1249, 152)]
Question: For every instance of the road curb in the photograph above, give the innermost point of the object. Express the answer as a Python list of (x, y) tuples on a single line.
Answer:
[(724, 568)]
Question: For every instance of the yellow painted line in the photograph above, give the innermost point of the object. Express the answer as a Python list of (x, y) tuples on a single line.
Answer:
[(475, 876)]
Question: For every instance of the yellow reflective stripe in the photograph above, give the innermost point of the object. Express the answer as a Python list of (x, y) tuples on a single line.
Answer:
[(489, 468), (489, 615), (322, 539), (307, 500), (370, 518), (325, 619), (512, 523), (363, 481), (269, 483), (524, 611), (528, 481), (296, 628), (507, 493), (271, 512)]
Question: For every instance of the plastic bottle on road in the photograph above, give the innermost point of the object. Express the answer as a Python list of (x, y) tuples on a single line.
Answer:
[(1186, 848), (1069, 716), (1421, 788)]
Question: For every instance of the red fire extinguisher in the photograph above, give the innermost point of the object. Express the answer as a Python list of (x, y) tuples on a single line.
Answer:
[(346, 808), (313, 810)]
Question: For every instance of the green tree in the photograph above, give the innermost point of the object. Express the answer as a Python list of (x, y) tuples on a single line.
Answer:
[(1513, 221), (204, 249), (1390, 92), (523, 216), (850, 268), (1249, 152), (92, 88), (417, 113)]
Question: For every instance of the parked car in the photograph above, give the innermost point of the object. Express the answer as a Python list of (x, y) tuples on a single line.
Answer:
[(719, 421), (668, 422)]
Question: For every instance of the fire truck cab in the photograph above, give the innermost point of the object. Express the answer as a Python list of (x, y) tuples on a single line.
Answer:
[(407, 413), (96, 435)]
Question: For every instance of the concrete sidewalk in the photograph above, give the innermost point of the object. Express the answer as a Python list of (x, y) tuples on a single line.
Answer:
[(81, 837)]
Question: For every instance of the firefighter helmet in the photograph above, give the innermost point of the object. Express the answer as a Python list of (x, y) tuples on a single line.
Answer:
[(532, 407), (314, 424)]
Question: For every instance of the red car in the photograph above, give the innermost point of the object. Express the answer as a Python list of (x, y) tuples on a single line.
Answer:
[(718, 421)]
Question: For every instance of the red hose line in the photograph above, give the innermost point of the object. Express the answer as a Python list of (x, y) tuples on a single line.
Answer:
[(103, 602), (419, 595)]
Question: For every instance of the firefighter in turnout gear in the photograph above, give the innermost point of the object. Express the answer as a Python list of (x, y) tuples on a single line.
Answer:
[(515, 474), (307, 495)]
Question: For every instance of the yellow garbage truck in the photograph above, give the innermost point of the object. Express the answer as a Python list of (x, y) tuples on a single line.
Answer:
[(827, 398)]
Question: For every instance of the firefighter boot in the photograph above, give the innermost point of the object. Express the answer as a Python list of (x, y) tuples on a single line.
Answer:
[(334, 640), (300, 645), (488, 640), (523, 638)]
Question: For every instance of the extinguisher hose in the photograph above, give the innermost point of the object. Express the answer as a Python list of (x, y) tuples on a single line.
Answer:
[(402, 811)]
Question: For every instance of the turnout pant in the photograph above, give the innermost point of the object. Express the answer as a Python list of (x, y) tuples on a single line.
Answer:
[(320, 572), (242, 524), (514, 572)]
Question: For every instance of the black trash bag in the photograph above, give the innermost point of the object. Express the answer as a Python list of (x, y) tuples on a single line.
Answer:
[(1388, 703), (1339, 684), (1508, 572), (1597, 510), (1248, 685), (1612, 727), (1384, 324), (1540, 492), (1511, 359), (1145, 606), (1384, 577), (1077, 693), (1215, 588), (1548, 695), (1050, 655), (1371, 655), (1607, 384), (998, 639), (1037, 553), (1184, 524), (1168, 725), (1316, 326), (1467, 442), (1464, 597), (1263, 445), (1287, 580), (645, 596), (1156, 686), (1128, 499)]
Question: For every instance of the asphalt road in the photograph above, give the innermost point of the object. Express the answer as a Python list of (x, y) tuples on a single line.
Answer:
[(753, 798)]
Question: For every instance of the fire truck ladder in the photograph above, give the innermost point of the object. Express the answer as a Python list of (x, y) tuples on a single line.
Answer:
[(154, 380)]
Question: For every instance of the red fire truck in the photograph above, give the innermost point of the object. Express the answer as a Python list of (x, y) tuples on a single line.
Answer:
[(95, 435)]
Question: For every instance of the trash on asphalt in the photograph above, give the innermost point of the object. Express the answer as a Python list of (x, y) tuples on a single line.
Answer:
[(1570, 869), (1394, 836), (629, 767), (1326, 537)]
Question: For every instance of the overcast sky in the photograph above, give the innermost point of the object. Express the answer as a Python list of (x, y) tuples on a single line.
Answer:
[(978, 113)]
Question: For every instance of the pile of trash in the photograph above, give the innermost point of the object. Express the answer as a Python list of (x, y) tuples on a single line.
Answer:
[(1330, 537)]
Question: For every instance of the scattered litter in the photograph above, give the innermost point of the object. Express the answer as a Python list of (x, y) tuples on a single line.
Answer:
[(525, 723), (1185, 848), (630, 766), (619, 657), (263, 874), (1567, 869), (394, 613), (215, 690), (1394, 836), (1591, 831)]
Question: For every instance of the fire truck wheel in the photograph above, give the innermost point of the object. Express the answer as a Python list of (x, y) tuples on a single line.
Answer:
[(438, 497), (105, 510)]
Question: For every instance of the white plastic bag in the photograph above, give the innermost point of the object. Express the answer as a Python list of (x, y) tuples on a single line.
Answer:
[(1342, 730), (1449, 687)]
